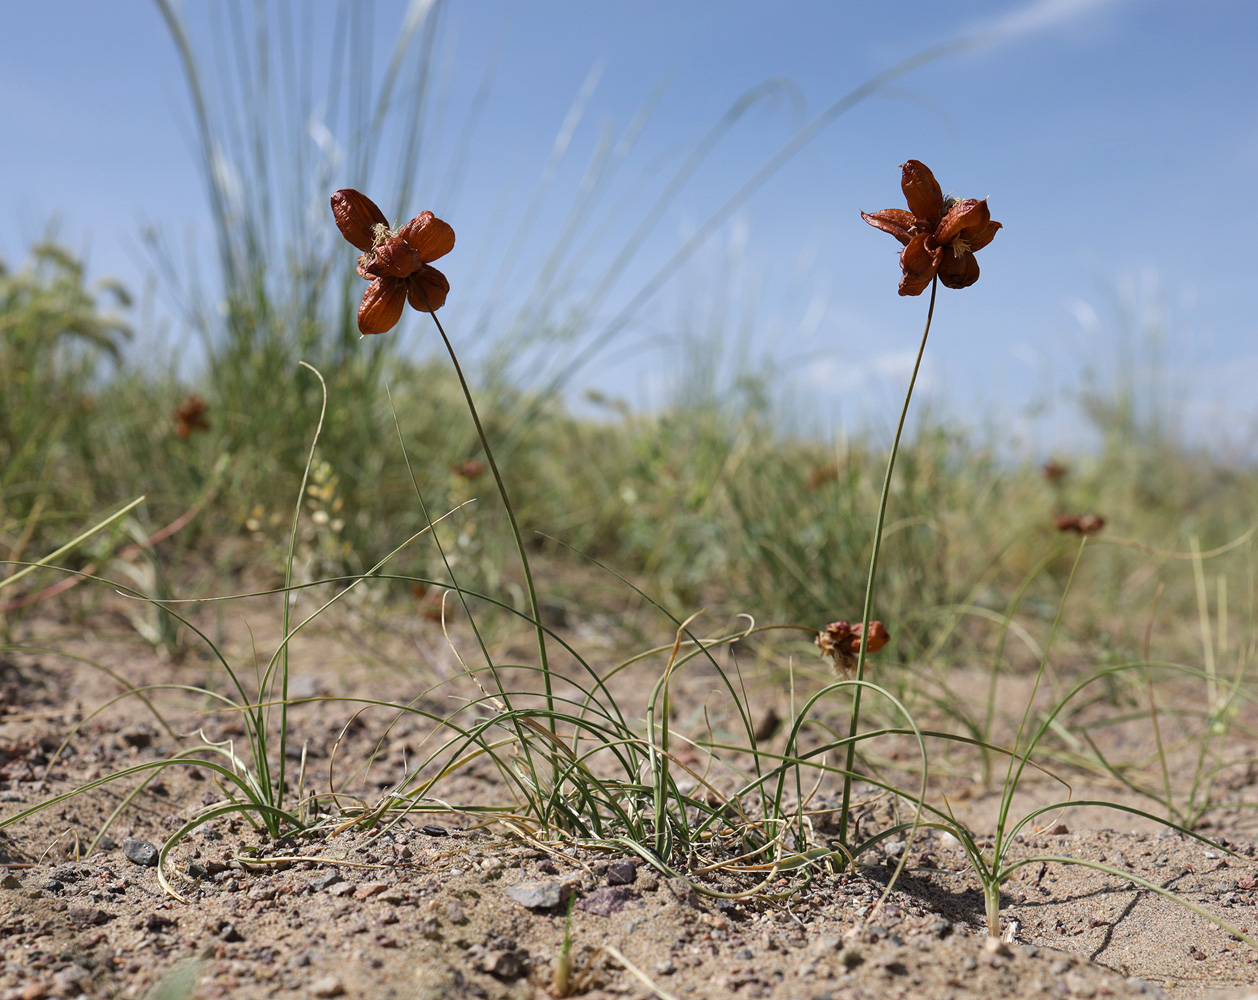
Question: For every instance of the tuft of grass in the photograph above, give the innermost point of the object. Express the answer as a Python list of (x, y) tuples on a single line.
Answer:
[(55, 336)]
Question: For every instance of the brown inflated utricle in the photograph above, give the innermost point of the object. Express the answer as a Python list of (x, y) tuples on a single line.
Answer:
[(396, 263), (940, 236), (381, 307), (357, 217)]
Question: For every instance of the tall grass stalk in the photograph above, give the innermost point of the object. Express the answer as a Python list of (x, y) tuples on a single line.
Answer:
[(573, 362), (288, 583)]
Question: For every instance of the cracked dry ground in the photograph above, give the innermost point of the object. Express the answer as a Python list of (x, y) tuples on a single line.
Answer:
[(439, 908)]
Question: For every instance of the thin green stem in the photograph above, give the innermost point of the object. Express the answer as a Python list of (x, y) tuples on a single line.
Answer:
[(854, 718), (534, 608), (54, 556), (275, 797)]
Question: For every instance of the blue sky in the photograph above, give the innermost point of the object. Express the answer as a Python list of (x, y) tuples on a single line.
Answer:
[(1117, 141)]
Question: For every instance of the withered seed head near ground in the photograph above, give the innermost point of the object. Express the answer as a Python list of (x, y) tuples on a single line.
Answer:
[(841, 641), (1080, 524), (397, 262), (190, 417), (1054, 471), (469, 468), (940, 235)]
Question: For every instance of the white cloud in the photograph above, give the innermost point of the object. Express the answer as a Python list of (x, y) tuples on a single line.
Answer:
[(889, 371), (1038, 15), (1085, 314)]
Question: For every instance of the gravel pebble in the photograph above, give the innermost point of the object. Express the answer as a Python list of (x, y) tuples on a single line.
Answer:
[(327, 986), (325, 882), (504, 965), (539, 895), (606, 900), (73, 980), (157, 922), (82, 916), (622, 872), (140, 852)]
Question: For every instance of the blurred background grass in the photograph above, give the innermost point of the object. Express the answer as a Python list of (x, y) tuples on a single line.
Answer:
[(715, 498), (711, 500)]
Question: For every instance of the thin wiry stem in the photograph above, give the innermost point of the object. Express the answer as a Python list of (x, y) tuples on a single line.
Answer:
[(854, 718), (276, 796), (534, 608)]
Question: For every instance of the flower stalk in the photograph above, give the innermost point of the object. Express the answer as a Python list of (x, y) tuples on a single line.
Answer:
[(530, 589), (397, 262), (867, 613), (940, 237)]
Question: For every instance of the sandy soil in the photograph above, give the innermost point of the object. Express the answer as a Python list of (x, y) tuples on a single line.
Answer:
[(442, 906)]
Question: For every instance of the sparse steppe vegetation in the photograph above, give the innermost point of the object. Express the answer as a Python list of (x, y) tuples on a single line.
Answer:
[(305, 636)]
